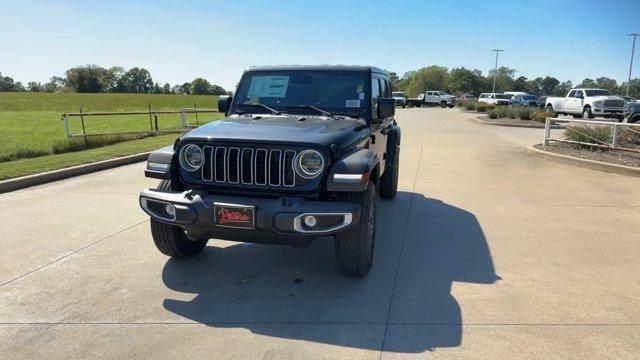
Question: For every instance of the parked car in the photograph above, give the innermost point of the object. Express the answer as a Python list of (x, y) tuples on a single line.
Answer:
[(588, 103), (494, 98), (287, 164), (524, 100), (541, 102), (465, 98), (399, 98), (433, 98), (634, 112)]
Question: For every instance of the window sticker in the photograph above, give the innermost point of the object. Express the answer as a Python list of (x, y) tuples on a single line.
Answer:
[(268, 86), (361, 96), (353, 104)]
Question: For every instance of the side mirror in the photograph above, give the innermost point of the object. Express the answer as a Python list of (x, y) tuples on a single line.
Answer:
[(386, 107), (224, 101)]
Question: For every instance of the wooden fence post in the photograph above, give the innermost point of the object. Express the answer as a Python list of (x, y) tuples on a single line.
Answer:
[(84, 133)]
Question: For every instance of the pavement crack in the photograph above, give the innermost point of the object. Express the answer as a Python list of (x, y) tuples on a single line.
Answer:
[(72, 253)]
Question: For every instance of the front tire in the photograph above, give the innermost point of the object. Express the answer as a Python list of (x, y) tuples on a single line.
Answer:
[(586, 113), (171, 240), (443, 104), (355, 246)]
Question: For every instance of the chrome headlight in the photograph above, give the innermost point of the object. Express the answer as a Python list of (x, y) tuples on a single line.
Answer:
[(309, 164), (598, 103), (191, 157)]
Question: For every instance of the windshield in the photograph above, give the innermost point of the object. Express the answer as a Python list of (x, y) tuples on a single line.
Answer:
[(339, 92), (597, 92), (529, 97), (397, 94), (443, 93), (502, 96)]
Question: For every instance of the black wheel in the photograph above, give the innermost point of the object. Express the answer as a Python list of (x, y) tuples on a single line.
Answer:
[(586, 113), (443, 104), (389, 179), (577, 116), (354, 247), (450, 106), (171, 240), (549, 108), (620, 119), (404, 106)]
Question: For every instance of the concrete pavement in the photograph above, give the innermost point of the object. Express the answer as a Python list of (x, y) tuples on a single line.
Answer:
[(487, 252)]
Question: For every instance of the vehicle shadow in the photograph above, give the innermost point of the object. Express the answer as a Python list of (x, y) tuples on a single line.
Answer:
[(296, 293)]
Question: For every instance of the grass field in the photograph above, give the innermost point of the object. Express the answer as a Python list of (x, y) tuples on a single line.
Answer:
[(30, 123), (31, 126)]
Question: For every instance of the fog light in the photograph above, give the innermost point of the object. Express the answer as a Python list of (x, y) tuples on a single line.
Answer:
[(170, 210), (310, 221)]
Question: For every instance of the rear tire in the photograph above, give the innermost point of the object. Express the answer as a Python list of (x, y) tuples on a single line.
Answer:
[(354, 247), (171, 240)]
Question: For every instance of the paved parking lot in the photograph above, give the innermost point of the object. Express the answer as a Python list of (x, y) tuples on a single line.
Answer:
[(487, 252)]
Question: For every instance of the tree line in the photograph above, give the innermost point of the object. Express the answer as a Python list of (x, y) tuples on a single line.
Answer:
[(459, 81), (96, 79)]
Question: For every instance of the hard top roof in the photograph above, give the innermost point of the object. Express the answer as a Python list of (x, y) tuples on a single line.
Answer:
[(318, 67)]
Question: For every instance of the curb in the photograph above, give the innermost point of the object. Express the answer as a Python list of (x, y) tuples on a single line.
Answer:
[(477, 118), (55, 175), (586, 163)]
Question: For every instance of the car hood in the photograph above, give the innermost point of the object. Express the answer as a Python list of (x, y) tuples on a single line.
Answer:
[(606, 97), (266, 128)]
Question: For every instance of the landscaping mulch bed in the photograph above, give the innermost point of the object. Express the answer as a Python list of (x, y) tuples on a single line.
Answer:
[(625, 158), (513, 122)]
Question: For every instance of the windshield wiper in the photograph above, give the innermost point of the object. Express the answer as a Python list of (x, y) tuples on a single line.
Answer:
[(272, 110), (310, 107)]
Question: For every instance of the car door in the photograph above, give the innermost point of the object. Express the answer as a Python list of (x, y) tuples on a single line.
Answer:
[(380, 87), (578, 99), (567, 103), (428, 97)]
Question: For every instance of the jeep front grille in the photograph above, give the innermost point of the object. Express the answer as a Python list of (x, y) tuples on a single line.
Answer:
[(248, 166), (614, 103)]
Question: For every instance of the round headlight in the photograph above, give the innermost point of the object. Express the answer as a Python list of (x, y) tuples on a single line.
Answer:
[(309, 164), (191, 157)]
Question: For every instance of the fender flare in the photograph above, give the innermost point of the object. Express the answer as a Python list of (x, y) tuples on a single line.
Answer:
[(160, 164), (360, 162)]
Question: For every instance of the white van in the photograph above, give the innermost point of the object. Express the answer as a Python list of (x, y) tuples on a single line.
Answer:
[(495, 98)]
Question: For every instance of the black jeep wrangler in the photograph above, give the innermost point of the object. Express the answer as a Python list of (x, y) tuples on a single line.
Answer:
[(303, 152)]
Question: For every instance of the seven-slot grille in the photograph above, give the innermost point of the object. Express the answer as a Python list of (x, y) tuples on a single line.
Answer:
[(614, 103), (248, 166)]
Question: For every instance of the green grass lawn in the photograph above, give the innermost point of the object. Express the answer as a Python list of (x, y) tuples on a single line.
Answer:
[(23, 167), (32, 132)]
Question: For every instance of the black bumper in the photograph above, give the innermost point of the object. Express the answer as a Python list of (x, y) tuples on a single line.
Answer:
[(275, 218)]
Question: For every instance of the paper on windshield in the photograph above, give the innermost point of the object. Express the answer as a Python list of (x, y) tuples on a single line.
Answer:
[(268, 86)]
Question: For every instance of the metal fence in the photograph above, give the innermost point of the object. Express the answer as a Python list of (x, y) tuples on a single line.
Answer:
[(597, 143), (182, 125)]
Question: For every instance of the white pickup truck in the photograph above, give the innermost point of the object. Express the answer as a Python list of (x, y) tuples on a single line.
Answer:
[(587, 104), (433, 98)]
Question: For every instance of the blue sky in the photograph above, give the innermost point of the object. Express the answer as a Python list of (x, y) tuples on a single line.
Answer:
[(180, 40)]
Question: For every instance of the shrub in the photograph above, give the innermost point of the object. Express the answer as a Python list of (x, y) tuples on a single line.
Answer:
[(500, 112), (482, 107), (471, 105), (591, 134), (541, 116), (525, 113), (93, 141), (629, 136)]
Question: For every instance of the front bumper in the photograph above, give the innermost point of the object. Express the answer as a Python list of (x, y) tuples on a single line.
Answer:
[(608, 112), (277, 220)]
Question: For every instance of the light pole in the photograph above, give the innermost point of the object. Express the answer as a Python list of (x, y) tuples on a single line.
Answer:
[(495, 69), (633, 49)]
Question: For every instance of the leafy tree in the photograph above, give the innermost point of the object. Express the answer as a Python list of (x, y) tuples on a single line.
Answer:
[(200, 86), (166, 88), (218, 90), (137, 80), (393, 77), (563, 88), (33, 86), (549, 84), (8, 84), (428, 78), (588, 83), (520, 84), (462, 80), (607, 83), (55, 84), (184, 89), (504, 78), (535, 86), (87, 79)]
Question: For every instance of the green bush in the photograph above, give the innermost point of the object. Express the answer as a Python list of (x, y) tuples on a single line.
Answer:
[(541, 116), (586, 133), (482, 107), (526, 113), (471, 105), (500, 112), (628, 136)]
